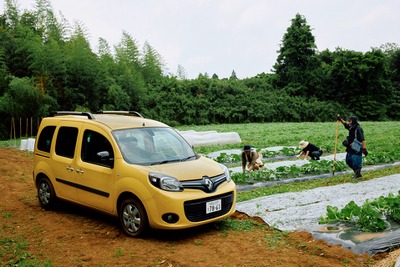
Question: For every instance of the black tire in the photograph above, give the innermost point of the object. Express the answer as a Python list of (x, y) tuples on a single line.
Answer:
[(46, 194), (133, 218)]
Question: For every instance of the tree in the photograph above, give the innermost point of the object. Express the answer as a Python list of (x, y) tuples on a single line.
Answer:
[(181, 73), (127, 52), (233, 75), (112, 97), (117, 99), (47, 24), (152, 64), (359, 81), (82, 71), (11, 13), (393, 53), (3, 62), (297, 63), (128, 72), (23, 99)]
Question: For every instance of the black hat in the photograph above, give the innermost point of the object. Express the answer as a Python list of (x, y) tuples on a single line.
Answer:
[(246, 148), (353, 119)]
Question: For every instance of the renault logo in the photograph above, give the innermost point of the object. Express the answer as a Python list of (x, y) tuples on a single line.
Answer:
[(209, 184)]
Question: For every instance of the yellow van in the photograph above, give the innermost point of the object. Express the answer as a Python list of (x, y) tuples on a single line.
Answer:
[(140, 170)]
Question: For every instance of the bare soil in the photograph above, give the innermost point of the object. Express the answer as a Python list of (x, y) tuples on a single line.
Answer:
[(76, 236)]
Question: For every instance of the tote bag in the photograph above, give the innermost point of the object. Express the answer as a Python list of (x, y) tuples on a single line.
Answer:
[(356, 145)]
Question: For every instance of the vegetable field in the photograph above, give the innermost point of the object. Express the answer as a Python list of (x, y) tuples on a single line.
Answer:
[(382, 138)]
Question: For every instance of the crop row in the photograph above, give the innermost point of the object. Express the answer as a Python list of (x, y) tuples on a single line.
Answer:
[(293, 171)]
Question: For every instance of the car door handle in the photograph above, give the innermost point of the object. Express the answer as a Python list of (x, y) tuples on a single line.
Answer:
[(79, 171), (70, 169)]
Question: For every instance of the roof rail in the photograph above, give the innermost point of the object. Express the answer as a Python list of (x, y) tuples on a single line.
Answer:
[(134, 113), (78, 113)]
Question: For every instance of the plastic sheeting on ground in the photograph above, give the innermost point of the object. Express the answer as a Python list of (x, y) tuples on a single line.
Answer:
[(208, 138), (27, 144), (302, 210)]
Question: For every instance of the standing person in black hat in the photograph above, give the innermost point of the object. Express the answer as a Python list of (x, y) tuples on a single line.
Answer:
[(309, 150), (252, 158), (354, 149)]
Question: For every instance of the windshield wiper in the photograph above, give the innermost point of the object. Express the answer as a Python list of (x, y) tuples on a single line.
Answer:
[(165, 161), (173, 160), (185, 159)]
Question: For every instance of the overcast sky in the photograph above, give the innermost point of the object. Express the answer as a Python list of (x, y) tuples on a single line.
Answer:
[(218, 36)]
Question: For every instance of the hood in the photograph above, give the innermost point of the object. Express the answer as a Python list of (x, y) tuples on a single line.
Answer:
[(189, 170), (353, 119)]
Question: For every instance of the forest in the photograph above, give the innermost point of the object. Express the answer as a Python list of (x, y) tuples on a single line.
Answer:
[(47, 64)]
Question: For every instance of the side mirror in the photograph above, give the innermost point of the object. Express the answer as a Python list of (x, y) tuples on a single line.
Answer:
[(105, 159), (103, 155)]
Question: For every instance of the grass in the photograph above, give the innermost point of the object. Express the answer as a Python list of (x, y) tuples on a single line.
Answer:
[(14, 252), (276, 239), (118, 253), (11, 143), (236, 225), (381, 137)]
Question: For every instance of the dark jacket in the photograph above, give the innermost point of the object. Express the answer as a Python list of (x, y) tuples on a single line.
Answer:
[(310, 147), (352, 134)]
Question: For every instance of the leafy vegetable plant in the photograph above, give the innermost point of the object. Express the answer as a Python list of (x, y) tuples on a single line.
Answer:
[(371, 216)]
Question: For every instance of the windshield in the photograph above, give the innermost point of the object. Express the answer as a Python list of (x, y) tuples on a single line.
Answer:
[(152, 146)]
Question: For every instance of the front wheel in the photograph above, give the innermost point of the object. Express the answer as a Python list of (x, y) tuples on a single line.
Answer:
[(133, 218), (46, 193)]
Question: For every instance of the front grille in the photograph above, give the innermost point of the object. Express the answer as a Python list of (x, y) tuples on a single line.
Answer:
[(195, 210), (206, 184)]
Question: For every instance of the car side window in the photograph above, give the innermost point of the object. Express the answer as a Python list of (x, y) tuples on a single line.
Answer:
[(46, 135), (97, 149), (66, 141)]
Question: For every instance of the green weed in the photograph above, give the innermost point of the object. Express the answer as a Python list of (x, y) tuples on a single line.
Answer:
[(118, 253), (276, 240), (14, 253), (236, 225)]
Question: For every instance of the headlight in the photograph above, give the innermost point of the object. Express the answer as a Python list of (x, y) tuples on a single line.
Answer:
[(165, 182), (226, 171)]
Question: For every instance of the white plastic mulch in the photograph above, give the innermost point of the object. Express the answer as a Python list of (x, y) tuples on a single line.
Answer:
[(301, 210)]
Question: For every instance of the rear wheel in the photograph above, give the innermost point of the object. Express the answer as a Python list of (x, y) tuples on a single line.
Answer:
[(46, 193), (133, 218)]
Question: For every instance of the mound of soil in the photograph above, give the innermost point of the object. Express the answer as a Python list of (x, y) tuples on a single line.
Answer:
[(76, 236)]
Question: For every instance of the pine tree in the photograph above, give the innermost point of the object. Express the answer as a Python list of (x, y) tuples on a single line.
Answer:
[(297, 62)]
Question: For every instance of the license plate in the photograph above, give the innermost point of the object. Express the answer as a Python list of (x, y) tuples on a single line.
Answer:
[(213, 206)]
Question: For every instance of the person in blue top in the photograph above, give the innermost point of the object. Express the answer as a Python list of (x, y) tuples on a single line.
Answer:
[(354, 158)]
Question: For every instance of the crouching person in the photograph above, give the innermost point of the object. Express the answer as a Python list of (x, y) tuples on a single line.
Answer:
[(252, 159), (309, 150)]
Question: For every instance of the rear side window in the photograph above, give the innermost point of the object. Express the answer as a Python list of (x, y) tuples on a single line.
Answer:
[(46, 135), (66, 141), (97, 149)]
